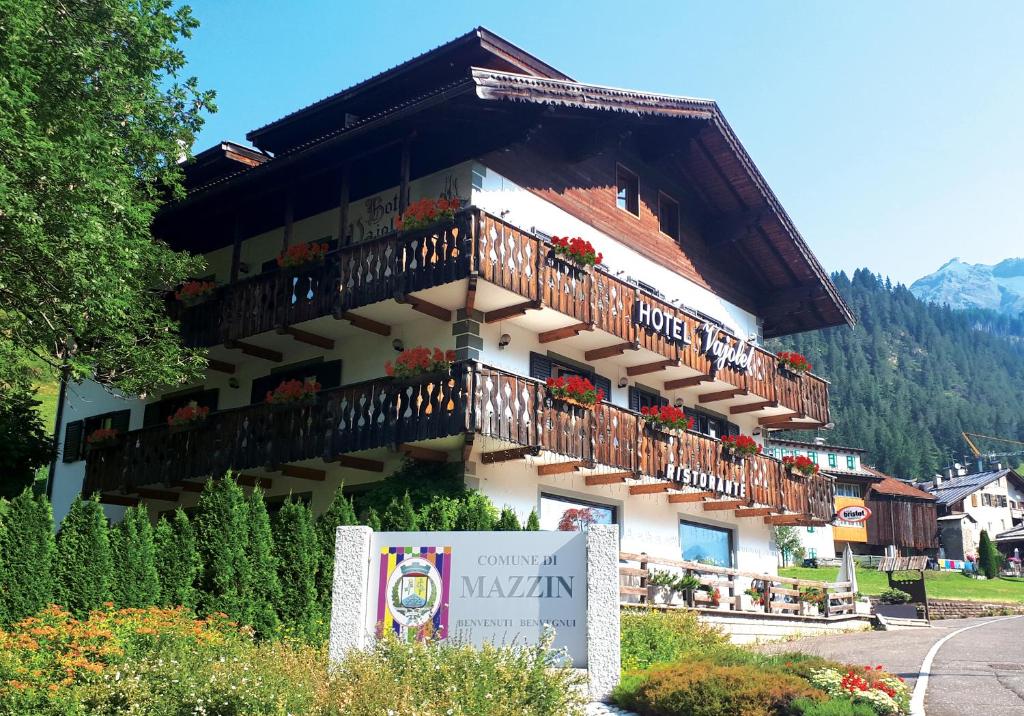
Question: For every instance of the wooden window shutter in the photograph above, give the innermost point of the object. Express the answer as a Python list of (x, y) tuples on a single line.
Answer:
[(74, 433), (540, 366), (634, 399), (119, 420), (151, 414), (604, 384)]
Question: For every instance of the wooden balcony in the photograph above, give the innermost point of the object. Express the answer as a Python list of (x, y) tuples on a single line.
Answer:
[(505, 273), (512, 411)]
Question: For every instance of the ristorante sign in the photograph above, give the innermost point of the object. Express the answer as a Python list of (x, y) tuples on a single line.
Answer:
[(706, 481), (723, 349)]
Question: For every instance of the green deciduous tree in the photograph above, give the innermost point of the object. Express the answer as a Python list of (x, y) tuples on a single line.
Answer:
[(27, 552), (222, 535), (507, 520), (134, 581), (298, 560), (178, 563), (84, 565), (93, 120), (264, 592), (26, 445), (787, 539)]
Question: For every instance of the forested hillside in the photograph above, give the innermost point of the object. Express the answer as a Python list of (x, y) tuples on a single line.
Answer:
[(911, 375)]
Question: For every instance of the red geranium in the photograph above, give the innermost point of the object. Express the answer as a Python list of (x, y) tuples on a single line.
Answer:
[(795, 362), (102, 436), (189, 414), (576, 390), (417, 361), (302, 254), (804, 465), (576, 249), (193, 291), (741, 444), (425, 212), (293, 391), (667, 416)]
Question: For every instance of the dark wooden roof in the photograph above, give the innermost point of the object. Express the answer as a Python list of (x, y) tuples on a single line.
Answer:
[(219, 161)]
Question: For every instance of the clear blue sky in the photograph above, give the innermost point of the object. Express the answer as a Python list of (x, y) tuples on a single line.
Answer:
[(894, 135)]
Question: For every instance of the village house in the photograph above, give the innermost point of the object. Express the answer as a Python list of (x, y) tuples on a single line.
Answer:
[(899, 515), (699, 265)]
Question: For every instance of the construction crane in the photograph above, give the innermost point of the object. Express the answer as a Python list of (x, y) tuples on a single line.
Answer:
[(977, 452)]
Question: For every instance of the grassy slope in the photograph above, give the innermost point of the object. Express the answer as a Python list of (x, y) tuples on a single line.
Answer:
[(940, 585)]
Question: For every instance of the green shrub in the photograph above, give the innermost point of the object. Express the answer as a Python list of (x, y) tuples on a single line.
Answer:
[(295, 547), (27, 552), (178, 566), (832, 707), (222, 535), (532, 522), (700, 688), (264, 592), (894, 596), (134, 581), (84, 565), (651, 637)]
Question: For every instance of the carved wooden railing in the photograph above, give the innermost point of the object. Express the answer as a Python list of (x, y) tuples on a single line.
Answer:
[(368, 415), (496, 251), (776, 595), (514, 409)]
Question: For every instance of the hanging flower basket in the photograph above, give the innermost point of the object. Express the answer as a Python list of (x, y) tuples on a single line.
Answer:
[(575, 391), (102, 438), (739, 447), (187, 417), (293, 394), (666, 420), (193, 293), (426, 212), (415, 366), (801, 465), (302, 256), (793, 364)]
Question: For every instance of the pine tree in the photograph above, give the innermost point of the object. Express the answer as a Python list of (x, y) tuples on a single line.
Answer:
[(340, 513), (988, 562), (84, 566), (298, 558), (134, 580), (178, 562), (478, 514), (440, 514), (507, 521), (373, 520), (27, 553), (222, 533), (400, 516), (533, 522), (265, 590)]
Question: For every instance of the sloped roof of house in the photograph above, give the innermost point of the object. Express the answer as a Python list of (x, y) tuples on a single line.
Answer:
[(897, 488), (1013, 535), (955, 489)]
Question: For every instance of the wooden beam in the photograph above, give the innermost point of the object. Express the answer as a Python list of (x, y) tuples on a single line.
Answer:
[(426, 307), (254, 481), (489, 458), (558, 468), (417, 452), (785, 519), (360, 463), (152, 493), (403, 174), (651, 367), (220, 366), (289, 219), (753, 407), (304, 473), (256, 351), (793, 426), (773, 419), (609, 351), (123, 500), (470, 295), (753, 511), (519, 309), (566, 332), (306, 337), (687, 382), (649, 488), (236, 247), (367, 324), (192, 486), (343, 203), (676, 497), (721, 395), (723, 505), (609, 478)]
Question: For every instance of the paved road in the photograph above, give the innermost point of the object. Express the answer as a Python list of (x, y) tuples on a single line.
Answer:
[(979, 671)]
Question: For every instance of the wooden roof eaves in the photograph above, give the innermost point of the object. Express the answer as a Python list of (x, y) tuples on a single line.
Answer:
[(488, 40)]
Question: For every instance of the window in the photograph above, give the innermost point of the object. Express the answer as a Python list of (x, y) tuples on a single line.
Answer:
[(810, 530), (851, 462), (668, 216), (703, 543), (158, 412), (627, 196), (644, 398), (846, 489), (986, 500), (711, 425), (77, 431), (974, 500), (327, 374), (543, 367), (271, 264), (813, 554), (813, 457), (832, 460), (569, 515)]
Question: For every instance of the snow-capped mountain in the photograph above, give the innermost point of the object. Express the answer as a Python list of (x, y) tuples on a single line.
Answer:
[(963, 285)]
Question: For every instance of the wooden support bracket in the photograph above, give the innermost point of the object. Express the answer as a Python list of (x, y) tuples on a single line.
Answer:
[(220, 366), (367, 324), (500, 314), (609, 478), (753, 511), (688, 382), (722, 395), (676, 497), (304, 473), (124, 500), (753, 407), (254, 481), (559, 468), (649, 488), (426, 308), (785, 519), (256, 351), (723, 505), (470, 295), (306, 337), (651, 367), (191, 486), (566, 332), (360, 463), (519, 453), (152, 493), (610, 351), (777, 419), (417, 452)]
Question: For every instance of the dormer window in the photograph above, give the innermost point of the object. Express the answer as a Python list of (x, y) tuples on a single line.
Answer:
[(628, 196), (668, 216)]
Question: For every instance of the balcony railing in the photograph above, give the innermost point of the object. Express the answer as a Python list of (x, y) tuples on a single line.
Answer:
[(477, 243), (509, 408)]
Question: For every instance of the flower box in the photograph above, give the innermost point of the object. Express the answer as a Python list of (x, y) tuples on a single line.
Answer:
[(800, 465), (426, 212), (793, 364), (665, 420), (194, 293), (102, 438), (415, 366), (574, 390), (738, 447), (565, 267), (291, 394), (187, 417), (301, 257)]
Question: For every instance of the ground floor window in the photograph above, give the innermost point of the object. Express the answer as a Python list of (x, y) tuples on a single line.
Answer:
[(570, 515), (703, 543)]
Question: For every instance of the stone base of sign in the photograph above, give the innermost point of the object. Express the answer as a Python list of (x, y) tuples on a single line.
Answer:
[(351, 577), (603, 657)]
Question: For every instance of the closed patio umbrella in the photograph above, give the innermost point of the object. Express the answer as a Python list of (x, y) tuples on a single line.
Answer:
[(847, 569)]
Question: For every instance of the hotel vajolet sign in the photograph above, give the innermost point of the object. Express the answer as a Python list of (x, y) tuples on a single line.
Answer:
[(720, 347)]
